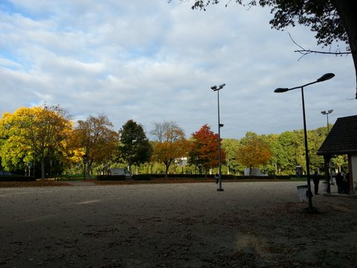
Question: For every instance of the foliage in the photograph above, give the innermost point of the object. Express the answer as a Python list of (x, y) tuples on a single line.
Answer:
[(111, 177), (46, 135), (95, 138), (316, 138), (34, 135), (170, 145), (17, 178), (142, 177), (290, 151), (204, 151), (230, 147), (340, 163), (253, 151), (134, 146)]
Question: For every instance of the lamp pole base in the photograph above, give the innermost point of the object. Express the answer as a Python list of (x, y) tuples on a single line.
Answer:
[(310, 210)]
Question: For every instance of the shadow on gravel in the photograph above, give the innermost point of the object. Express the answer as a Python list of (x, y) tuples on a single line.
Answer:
[(173, 226)]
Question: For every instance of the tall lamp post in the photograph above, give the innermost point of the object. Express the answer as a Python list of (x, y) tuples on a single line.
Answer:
[(324, 77), (327, 160), (327, 113), (217, 88)]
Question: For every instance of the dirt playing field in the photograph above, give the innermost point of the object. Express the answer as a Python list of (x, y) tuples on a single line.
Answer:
[(249, 224)]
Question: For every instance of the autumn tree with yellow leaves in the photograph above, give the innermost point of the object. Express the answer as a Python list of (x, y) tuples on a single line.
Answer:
[(33, 135)]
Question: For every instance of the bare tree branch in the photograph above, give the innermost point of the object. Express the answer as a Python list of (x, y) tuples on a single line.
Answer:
[(305, 52)]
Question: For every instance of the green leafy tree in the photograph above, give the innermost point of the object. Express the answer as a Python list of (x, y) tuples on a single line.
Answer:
[(290, 152), (135, 148), (272, 140), (339, 163), (315, 139), (231, 146)]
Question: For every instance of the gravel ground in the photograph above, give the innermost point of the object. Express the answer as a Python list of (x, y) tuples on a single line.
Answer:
[(249, 224)]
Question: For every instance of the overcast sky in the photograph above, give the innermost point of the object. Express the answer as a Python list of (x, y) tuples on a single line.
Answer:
[(154, 61)]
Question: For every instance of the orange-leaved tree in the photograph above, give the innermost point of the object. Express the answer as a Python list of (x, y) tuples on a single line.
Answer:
[(170, 145), (253, 151), (97, 140), (204, 151)]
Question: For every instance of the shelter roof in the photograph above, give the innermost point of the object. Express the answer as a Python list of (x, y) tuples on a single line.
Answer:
[(342, 139)]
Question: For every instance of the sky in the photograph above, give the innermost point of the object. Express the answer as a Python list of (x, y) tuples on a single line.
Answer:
[(154, 61)]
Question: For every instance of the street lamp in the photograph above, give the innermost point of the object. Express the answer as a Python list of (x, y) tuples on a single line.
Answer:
[(217, 88), (327, 166), (281, 90), (327, 113)]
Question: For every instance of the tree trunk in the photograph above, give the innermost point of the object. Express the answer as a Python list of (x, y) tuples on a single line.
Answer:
[(166, 170), (347, 10), (42, 168)]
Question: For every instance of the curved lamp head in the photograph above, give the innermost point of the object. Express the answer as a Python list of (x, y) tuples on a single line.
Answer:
[(326, 112), (216, 88), (325, 77), (281, 90)]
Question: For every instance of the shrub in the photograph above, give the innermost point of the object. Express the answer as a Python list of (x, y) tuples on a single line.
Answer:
[(142, 177), (17, 178), (111, 177)]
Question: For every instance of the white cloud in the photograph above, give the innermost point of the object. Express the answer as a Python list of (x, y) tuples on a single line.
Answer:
[(157, 61)]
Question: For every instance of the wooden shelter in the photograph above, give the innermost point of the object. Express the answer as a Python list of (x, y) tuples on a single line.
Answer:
[(342, 140)]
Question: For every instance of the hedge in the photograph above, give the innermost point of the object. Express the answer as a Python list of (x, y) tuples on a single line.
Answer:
[(111, 177), (147, 177), (224, 177), (17, 178)]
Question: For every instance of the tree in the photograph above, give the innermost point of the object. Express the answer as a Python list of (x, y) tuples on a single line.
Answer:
[(134, 145), (166, 131), (315, 139), (272, 141), (230, 147), (96, 139), (332, 20), (204, 151), (170, 144), (32, 135), (253, 151), (290, 151)]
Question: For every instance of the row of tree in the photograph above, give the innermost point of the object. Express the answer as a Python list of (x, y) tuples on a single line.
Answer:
[(45, 138)]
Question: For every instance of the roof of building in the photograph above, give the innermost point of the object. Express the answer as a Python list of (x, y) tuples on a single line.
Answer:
[(342, 139)]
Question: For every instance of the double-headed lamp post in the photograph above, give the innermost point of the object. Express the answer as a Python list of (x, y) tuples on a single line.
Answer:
[(324, 77), (327, 113), (217, 88)]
